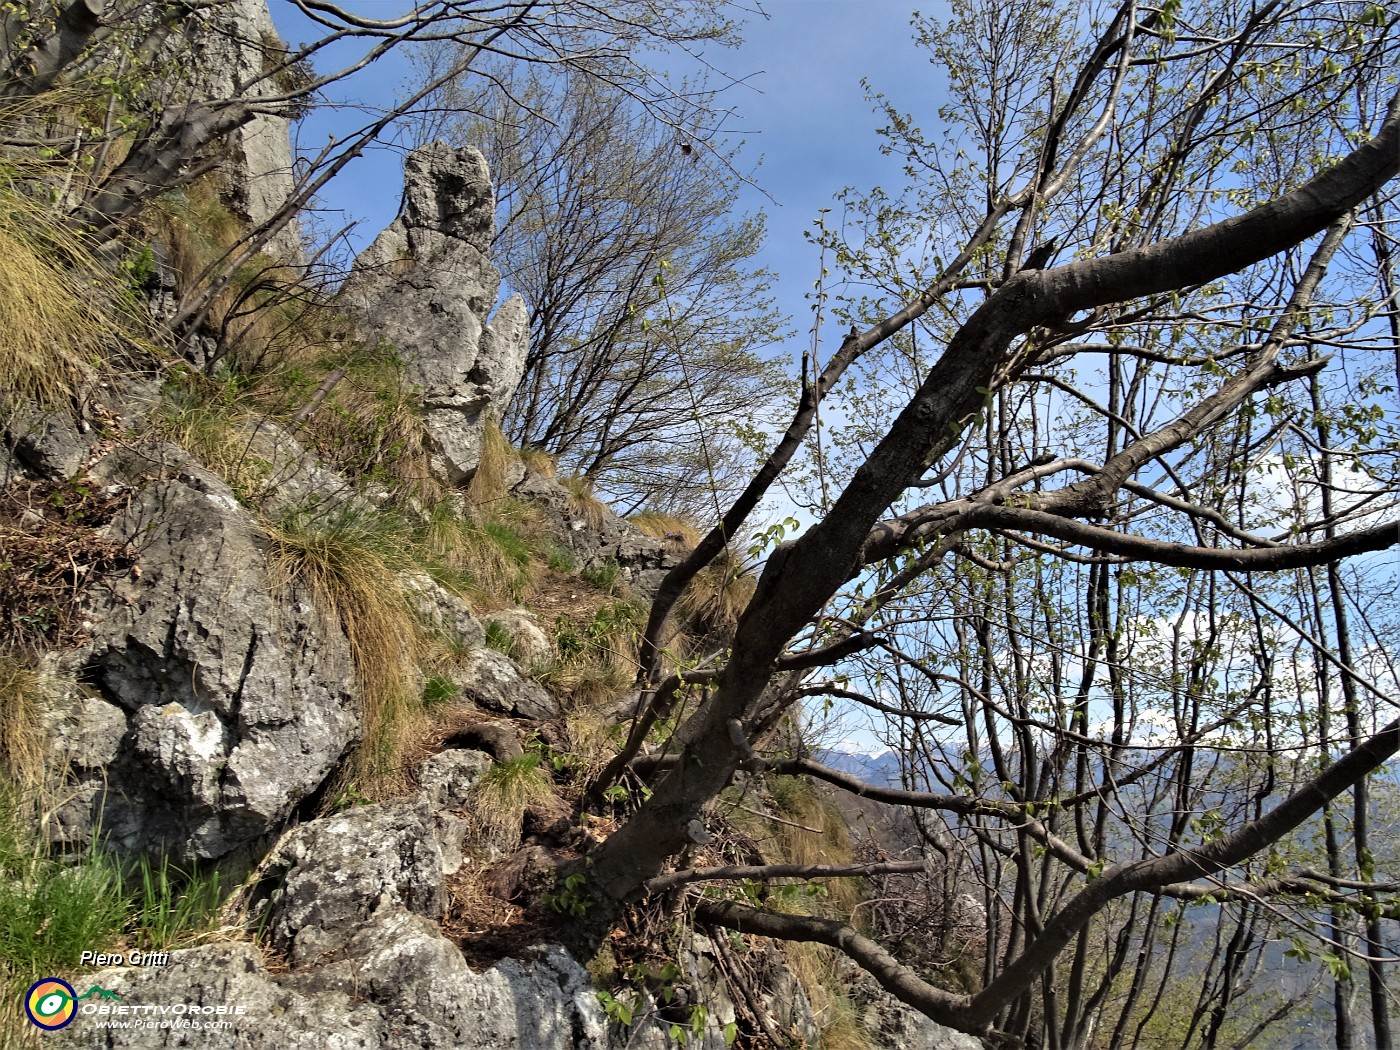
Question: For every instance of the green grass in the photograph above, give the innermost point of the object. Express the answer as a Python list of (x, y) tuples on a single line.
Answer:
[(560, 560), (491, 553), (173, 908), (51, 912), (607, 577), (53, 908), (502, 795), (498, 637), (439, 690), (209, 419), (597, 660)]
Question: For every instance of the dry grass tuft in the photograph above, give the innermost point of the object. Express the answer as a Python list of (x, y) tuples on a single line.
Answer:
[(350, 560), (488, 483), (715, 599), (503, 794), (668, 526), (64, 319), (24, 693), (490, 553), (582, 503), (817, 969), (718, 595), (597, 659), (593, 740), (798, 802), (538, 461)]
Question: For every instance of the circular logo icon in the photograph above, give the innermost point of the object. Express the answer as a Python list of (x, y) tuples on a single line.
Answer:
[(51, 1003)]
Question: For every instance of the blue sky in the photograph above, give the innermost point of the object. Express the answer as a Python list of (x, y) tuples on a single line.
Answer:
[(799, 106)]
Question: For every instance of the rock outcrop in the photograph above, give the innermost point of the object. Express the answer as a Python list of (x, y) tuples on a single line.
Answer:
[(210, 707), (354, 956), (427, 286), (352, 903), (644, 560), (226, 51), (234, 700)]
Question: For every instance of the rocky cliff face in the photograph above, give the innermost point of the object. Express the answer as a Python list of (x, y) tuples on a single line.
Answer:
[(225, 51), (228, 700)]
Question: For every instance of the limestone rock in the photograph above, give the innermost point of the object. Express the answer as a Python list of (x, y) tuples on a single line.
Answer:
[(528, 642), (409, 990), (239, 700), (893, 1025), (447, 777), (264, 1013), (351, 902), (442, 611), (426, 286), (336, 872), (50, 445), (644, 559), (84, 735), (493, 682), (353, 910), (225, 50), (296, 480)]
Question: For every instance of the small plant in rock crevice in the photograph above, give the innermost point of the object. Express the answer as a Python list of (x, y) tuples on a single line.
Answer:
[(505, 791)]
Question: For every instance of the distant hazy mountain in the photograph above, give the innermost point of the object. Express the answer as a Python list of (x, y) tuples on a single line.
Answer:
[(881, 770)]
